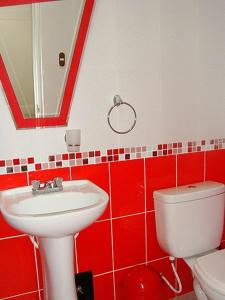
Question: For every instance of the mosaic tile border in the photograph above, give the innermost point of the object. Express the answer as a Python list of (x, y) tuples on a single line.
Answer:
[(18, 165)]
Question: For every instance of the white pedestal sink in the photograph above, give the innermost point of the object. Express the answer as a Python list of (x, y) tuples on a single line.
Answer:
[(55, 218)]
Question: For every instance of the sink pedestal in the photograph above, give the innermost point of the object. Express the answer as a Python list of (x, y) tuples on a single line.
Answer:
[(57, 257)]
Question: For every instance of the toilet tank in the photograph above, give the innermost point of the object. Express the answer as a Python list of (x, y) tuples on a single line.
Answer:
[(189, 219)]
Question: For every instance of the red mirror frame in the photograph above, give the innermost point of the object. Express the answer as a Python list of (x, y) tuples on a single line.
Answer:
[(62, 119)]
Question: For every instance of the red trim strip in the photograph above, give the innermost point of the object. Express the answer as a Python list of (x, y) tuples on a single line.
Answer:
[(62, 119), (19, 2)]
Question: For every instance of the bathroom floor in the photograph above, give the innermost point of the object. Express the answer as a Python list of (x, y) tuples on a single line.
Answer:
[(189, 296)]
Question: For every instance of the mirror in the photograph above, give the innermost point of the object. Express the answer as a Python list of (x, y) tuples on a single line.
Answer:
[(41, 45)]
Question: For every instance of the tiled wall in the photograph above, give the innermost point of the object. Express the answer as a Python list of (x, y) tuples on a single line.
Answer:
[(123, 237), (19, 165), (163, 57)]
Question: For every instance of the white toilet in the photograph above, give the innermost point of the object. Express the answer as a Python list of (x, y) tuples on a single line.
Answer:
[(189, 225)]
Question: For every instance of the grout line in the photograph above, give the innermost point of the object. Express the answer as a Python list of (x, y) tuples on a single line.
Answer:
[(157, 259), (13, 237), (111, 227), (98, 221), (176, 170), (76, 256), (14, 296), (125, 216), (131, 266), (37, 271), (140, 264), (103, 220), (128, 216), (146, 227), (151, 210), (28, 181), (204, 165), (102, 274), (70, 171), (175, 282)]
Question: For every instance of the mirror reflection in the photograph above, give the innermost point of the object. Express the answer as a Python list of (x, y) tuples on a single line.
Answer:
[(37, 43)]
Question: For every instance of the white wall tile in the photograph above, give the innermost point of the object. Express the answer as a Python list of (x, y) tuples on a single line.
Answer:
[(166, 58)]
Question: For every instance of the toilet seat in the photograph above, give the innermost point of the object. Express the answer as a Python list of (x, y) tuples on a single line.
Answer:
[(210, 271)]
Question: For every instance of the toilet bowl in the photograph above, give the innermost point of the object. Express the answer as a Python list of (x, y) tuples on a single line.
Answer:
[(208, 271), (198, 291), (189, 225)]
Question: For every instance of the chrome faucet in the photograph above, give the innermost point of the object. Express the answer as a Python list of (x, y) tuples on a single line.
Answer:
[(54, 185)]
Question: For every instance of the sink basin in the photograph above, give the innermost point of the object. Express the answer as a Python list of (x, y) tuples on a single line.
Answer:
[(55, 218), (54, 214)]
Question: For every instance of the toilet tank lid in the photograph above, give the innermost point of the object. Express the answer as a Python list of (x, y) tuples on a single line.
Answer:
[(189, 192)]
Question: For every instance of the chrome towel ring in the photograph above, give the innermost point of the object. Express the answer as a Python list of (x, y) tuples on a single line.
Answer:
[(117, 102)]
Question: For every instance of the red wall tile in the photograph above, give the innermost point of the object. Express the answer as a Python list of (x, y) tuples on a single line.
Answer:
[(222, 245), (103, 287), (17, 271), (6, 230), (127, 187), (94, 248), (42, 295), (215, 162), (153, 249), (223, 235), (160, 173), (120, 277), (45, 175), (39, 269), (30, 296), (129, 241), (98, 174), (11, 181), (190, 168)]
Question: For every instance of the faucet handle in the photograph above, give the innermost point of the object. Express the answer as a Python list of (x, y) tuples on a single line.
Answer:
[(35, 185), (58, 182)]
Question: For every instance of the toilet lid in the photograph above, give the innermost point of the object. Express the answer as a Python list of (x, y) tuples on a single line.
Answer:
[(210, 269)]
